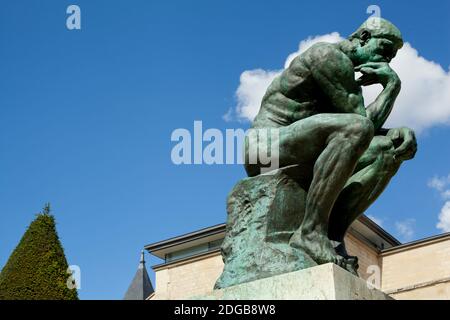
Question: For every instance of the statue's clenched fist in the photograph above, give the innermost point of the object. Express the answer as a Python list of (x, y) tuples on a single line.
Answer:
[(404, 141)]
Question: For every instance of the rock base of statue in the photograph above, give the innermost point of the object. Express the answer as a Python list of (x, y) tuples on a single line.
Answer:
[(263, 213), (324, 282)]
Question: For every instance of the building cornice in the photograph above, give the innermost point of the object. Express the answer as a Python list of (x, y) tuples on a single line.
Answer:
[(418, 286), (416, 244)]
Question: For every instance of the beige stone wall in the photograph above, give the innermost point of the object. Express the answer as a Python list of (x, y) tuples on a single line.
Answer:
[(439, 291), (189, 278), (419, 271), (197, 276), (367, 256)]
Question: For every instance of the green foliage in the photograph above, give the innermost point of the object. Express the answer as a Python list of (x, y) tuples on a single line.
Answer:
[(37, 268)]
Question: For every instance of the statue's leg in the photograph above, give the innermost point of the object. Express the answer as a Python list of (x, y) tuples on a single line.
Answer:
[(329, 145), (372, 174)]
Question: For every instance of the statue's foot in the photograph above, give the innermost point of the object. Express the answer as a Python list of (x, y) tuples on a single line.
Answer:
[(350, 262), (351, 265), (317, 246)]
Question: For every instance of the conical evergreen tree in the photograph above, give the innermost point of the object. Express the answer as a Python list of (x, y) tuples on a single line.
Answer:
[(37, 268)]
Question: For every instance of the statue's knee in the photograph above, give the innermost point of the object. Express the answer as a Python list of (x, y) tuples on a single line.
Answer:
[(361, 130), (383, 152)]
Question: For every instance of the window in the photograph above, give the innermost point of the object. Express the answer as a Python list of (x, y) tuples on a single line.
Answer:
[(189, 252)]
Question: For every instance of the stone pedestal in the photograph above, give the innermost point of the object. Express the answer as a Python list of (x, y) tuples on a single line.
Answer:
[(324, 282), (263, 213)]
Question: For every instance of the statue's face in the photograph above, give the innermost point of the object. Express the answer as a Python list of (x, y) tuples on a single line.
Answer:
[(376, 50)]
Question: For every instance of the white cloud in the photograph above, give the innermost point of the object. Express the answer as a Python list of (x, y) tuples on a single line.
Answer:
[(378, 221), (251, 90), (441, 184), (445, 194), (423, 102), (405, 229), (444, 218), (437, 183), (228, 116)]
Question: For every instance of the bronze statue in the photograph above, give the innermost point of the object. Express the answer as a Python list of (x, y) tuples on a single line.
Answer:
[(344, 158)]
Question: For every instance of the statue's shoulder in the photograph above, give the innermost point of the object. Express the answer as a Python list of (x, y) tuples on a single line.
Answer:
[(323, 46), (324, 50), (320, 51), (328, 56)]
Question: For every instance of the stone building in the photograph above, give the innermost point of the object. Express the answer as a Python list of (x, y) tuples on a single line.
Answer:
[(414, 270)]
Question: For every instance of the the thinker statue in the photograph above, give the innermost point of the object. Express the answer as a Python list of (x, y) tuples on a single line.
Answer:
[(345, 156)]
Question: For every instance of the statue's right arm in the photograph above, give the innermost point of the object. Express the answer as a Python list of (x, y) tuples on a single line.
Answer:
[(333, 72), (380, 72)]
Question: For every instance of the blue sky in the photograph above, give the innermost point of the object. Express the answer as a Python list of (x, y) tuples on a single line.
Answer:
[(86, 117)]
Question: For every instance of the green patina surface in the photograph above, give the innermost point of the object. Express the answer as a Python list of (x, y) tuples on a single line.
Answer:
[(335, 158)]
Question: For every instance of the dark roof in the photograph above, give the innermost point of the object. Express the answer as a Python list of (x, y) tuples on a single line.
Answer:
[(141, 286), (379, 230), (190, 239)]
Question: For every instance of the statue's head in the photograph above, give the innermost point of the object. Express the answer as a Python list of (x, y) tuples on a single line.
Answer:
[(376, 40)]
